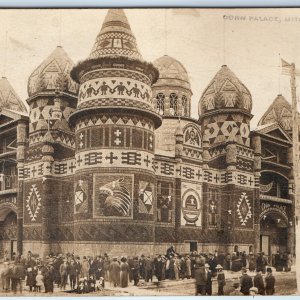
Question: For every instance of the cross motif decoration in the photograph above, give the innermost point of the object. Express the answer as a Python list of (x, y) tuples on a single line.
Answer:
[(111, 157)]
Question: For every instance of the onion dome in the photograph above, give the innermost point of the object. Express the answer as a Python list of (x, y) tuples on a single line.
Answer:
[(225, 91), (115, 37), (53, 73), (280, 111), (171, 72), (8, 97)]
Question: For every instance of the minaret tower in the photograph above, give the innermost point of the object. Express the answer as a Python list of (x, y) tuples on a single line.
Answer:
[(225, 114), (114, 124), (52, 98)]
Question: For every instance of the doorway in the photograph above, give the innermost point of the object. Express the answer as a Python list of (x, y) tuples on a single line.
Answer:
[(193, 246), (265, 244), (13, 248)]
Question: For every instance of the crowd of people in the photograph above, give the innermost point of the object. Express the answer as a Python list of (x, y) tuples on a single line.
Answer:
[(87, 274)]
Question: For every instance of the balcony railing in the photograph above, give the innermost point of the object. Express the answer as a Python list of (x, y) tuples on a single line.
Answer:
[(275, 199), (8, 183)]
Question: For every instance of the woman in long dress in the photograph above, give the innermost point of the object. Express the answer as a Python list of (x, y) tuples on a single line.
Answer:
[(124, 272)]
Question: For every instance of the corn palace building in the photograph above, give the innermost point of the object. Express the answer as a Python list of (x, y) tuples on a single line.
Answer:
[(108, 158)]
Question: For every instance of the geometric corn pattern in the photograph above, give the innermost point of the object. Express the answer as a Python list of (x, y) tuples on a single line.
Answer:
[(220, 128), (33, 202), (244, 209)]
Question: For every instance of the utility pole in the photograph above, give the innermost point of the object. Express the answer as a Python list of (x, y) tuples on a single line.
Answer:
[(296, 168)]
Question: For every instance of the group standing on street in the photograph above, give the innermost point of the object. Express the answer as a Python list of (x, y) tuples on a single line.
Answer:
[(87, 274)]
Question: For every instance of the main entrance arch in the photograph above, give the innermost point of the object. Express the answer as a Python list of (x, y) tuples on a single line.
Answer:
[(8, 231), (273, 232)]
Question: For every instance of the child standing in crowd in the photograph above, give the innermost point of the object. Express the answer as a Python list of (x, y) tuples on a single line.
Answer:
[(39, 281), (220, 279)]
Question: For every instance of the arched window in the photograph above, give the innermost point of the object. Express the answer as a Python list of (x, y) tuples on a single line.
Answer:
[(173, 104), (184, 104), (160, 103)]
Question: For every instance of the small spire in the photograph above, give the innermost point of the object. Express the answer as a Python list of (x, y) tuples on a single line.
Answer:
[(115, 37)]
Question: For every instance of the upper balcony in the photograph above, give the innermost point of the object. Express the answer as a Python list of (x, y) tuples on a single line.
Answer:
[(8, 184)]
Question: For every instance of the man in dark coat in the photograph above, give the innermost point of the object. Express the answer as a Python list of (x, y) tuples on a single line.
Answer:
[(135, 270), (148, 269), (77, 265), (270, 282), (142, 266), (48, 273), (208, 280), (93, 266), (212, 264), (246, 282), (114, 272), (200, 279), (158, 266), (259, 283)]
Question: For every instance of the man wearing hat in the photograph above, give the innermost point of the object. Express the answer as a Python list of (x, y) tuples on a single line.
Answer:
[(253, 291), (135, 269), (236, 292), (270, 282), (246, 282), (212, 263), (259, 283), (201, 279), (142, 261), (106, 265), (114, 272), (148, 268), (158, 266), (221, 280), (208, 280)]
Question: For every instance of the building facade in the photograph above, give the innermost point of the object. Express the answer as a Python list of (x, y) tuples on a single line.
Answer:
[(109, 159)]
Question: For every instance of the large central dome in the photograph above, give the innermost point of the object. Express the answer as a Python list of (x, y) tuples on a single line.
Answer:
[(171, 72)]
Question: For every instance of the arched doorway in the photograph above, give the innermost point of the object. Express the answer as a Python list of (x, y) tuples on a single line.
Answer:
[(273, 232), (8, 232)]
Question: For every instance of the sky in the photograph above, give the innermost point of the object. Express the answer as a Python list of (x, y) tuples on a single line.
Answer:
[(250, 41)]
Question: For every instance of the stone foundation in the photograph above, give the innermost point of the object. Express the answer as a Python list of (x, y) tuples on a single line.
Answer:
[(126, 249)]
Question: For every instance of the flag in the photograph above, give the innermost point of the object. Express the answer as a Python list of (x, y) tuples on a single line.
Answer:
[(286, 67), (20, 45)]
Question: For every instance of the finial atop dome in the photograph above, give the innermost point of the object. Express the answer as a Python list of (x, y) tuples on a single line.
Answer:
[(115, 37), (8, 97), (225, 91), (53, 73)]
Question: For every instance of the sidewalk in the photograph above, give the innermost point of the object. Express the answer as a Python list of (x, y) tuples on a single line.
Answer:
[(167, 287)]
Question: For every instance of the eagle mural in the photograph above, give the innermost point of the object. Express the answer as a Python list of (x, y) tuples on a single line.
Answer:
[(114, 199)]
